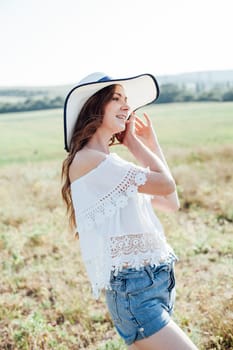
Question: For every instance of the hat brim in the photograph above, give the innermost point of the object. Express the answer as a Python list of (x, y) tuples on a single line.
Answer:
[(140, 90)]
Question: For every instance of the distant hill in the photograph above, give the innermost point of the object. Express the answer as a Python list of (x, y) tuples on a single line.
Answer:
[(206, 78)]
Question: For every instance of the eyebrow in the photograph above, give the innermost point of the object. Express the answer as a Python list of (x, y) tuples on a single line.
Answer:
[(119, 94)]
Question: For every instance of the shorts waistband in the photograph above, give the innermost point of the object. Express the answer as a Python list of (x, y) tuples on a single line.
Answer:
[(136, 272)]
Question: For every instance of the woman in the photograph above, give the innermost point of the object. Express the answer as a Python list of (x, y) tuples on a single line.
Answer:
[(110, 203)]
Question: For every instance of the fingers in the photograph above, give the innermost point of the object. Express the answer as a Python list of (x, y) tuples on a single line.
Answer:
[(140, 122), (146, 116)]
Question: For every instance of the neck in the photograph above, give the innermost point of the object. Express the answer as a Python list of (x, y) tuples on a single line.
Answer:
[(99, 142)]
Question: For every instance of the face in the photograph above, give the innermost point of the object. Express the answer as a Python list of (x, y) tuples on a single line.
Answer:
[(116, 111)]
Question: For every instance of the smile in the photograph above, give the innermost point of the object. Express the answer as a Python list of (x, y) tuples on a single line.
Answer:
[(121, 116)]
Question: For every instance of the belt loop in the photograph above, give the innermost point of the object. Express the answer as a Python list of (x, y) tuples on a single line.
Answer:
[(149, 272)]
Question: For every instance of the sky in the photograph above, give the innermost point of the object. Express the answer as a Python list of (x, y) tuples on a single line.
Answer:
[(56, 42)]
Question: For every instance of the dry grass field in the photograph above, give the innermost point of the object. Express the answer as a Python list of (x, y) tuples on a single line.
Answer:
[(45, 298)]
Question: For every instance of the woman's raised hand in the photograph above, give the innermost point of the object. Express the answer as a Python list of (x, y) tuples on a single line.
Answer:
[(145, 132), (137, 128)]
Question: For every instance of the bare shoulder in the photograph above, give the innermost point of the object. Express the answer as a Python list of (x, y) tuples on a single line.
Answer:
[(84, 161)]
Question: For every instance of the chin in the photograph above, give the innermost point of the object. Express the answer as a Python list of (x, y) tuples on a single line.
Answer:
[(120, 129)]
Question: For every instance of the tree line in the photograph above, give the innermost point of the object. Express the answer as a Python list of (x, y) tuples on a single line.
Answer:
[(31, 104), (169, 93), (173, 93)]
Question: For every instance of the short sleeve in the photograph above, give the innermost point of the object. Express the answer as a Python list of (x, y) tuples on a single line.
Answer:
[(107, 190)]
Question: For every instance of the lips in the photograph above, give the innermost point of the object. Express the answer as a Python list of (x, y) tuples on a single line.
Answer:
[(121, 116)]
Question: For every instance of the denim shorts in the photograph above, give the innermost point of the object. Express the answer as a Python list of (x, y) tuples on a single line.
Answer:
[(141, 301)]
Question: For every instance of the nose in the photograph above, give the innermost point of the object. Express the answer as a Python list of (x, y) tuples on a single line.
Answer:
[(125, 107)]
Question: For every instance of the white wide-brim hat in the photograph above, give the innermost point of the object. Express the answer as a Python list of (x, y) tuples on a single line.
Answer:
[(140, 91)]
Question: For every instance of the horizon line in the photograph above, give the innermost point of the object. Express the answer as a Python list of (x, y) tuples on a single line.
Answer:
[(50, 85)]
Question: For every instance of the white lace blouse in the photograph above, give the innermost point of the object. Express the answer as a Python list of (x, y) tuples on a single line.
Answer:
[(117, 225)]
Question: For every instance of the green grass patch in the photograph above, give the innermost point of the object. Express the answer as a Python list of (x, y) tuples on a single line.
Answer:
[(31, 136), (193, 124), (38, 135)]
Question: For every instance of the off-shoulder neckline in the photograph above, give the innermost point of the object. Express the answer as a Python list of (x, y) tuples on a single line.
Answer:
[(102, 163)]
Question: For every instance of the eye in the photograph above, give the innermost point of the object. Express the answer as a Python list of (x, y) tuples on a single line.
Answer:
[(115, 98)]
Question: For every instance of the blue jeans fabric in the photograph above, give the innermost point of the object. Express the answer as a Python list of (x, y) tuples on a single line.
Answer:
[(141, 301)]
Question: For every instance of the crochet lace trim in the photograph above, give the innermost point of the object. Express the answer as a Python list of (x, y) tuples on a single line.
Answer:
[(106, 206), (136, 250)]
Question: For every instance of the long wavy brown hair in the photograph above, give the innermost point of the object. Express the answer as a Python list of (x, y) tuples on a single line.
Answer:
[(88, 121)]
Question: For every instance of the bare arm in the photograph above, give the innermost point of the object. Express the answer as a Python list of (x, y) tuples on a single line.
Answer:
[(160, 181), (168, 202), (146, 149)]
